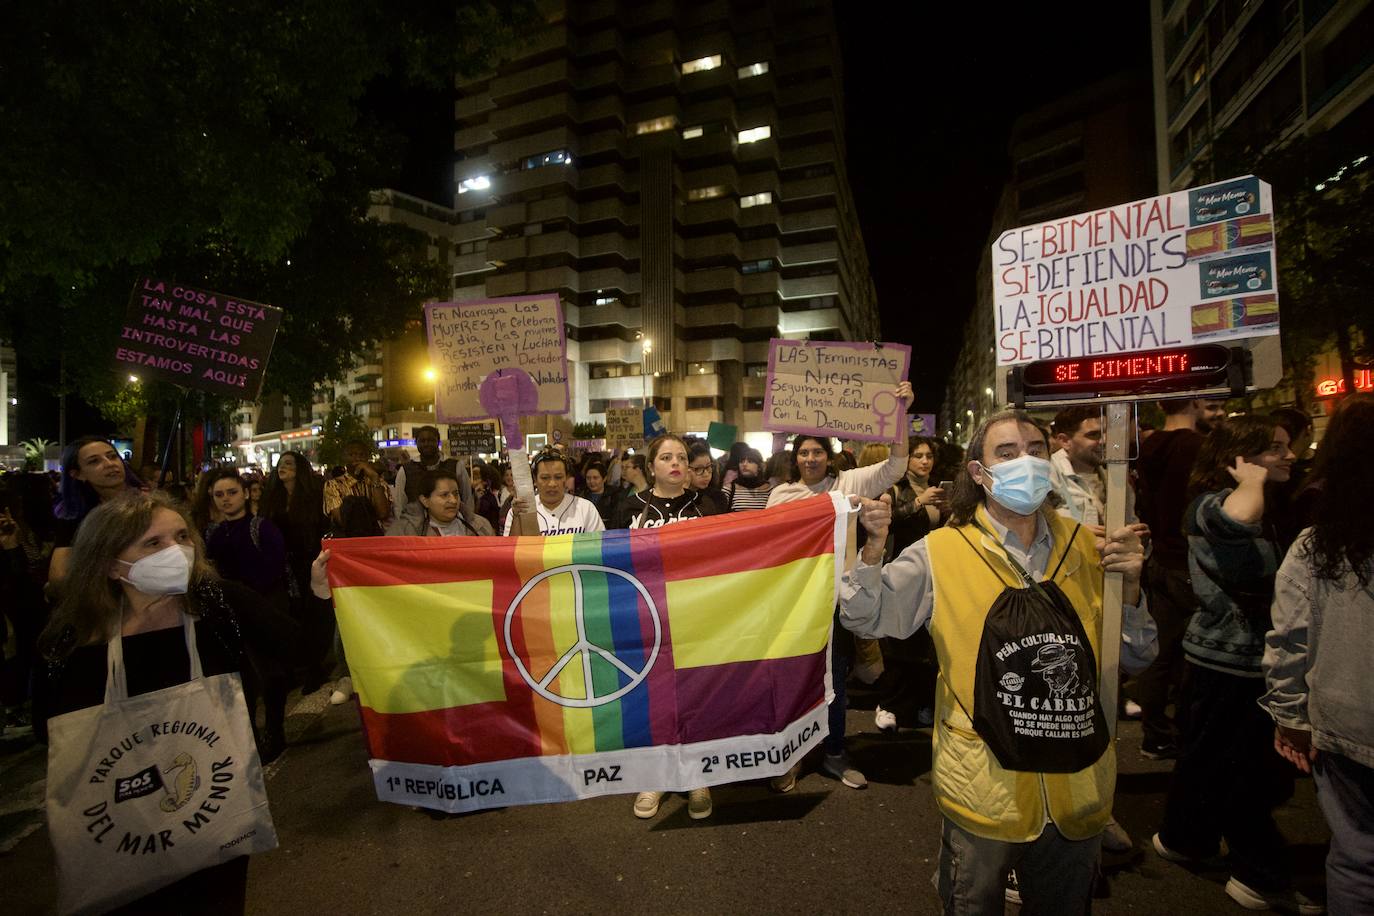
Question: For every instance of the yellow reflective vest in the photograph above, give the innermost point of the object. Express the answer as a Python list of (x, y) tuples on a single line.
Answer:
[(971, 788)]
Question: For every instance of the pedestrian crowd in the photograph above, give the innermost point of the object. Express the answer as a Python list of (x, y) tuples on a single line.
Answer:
[(1248, 590)]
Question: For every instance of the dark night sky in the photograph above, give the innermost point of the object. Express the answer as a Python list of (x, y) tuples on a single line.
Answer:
[(930, 100), (930, 97)]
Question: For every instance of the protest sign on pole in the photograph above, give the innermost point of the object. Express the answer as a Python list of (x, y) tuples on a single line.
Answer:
[(1170, 296), (501, 358), (625, 427), (196, 338), (471, 439), (1171, 293), (472, 344), (835, 388)]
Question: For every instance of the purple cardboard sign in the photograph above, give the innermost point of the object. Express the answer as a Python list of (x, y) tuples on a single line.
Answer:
[(836, 388), (472, 342), (196, 338)]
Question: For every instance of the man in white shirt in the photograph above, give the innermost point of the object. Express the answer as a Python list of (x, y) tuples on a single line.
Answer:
[(558, 510)]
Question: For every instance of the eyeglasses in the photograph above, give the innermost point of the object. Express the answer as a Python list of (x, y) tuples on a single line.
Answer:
[(702, 470)]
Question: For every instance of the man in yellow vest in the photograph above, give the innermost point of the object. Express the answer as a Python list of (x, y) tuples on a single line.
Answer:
[(1023, 768)]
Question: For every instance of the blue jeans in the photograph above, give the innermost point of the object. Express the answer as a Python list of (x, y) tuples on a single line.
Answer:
[(1055, 874), (1345, 791)]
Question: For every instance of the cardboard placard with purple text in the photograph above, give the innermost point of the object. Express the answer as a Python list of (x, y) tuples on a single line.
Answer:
[(1194, 266), (835, 388), (196, 338), (503, 358)]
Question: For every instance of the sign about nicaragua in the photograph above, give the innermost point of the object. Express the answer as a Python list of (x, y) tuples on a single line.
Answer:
[(503, 671), (1194, 266)]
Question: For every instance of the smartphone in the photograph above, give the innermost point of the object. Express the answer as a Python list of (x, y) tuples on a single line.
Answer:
[(946, 485)]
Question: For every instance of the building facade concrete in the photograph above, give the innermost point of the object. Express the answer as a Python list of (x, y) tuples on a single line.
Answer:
[(1237, 76), (675, 171)]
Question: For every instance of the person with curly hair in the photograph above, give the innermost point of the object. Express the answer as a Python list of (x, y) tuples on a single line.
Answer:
[(1316, 655)]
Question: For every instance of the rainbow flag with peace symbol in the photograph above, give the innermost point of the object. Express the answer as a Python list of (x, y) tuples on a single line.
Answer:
[(502, 671)]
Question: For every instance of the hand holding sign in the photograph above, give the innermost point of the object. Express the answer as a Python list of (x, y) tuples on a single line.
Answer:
[(837, 388)]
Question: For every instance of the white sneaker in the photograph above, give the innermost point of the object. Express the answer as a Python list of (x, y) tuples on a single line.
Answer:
[(699, 804), (342, 691), (1132, 709), (646, 804), (884, 720)]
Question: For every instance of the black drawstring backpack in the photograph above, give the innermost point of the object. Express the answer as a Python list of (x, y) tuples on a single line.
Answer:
[(1035, 698)]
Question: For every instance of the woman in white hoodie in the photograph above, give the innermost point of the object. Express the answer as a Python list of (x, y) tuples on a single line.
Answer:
[(811, 476), (558, 510)]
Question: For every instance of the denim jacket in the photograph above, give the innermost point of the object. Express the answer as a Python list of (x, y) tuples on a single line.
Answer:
[(1232, 566), (1316, 657)]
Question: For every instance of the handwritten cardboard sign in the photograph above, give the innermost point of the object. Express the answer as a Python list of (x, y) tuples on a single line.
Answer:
[(835, 388), (471, 439), (196, 338), (625, 427), (476, 348), (1188, 267)]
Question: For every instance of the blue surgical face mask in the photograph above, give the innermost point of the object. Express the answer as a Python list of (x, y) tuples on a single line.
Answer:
[(1021, 484)]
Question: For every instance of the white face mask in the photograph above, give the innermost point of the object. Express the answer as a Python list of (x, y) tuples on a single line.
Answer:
[(167, 572)]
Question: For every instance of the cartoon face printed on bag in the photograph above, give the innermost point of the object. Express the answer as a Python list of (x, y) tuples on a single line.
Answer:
[(1056, 664)]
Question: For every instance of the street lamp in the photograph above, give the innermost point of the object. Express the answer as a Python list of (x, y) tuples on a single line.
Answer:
[(646, 346), (430, 375)]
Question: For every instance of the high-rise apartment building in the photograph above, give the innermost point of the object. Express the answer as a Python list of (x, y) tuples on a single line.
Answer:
[(675, 171), (1233, 76)]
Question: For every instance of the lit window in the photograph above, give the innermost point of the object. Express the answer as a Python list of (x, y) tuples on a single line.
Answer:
[(756, 267), (715, 190), (475, 183), (607, 300), (654, 125), (701, 63), (754, 200), (691, 133), (755, 134), (757, 69), (555, 157)]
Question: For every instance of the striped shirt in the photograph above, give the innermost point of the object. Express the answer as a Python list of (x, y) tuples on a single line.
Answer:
[(743, 499)]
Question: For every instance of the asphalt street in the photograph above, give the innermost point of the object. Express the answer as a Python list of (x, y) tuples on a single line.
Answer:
[(821, 849)]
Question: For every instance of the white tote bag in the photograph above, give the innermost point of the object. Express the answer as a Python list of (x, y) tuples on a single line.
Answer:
[(145, 790)]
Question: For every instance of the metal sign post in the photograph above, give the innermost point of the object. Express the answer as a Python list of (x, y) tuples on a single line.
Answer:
[(1118, 440)]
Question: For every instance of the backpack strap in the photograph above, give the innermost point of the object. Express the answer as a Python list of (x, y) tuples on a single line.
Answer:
[(992, 569), (1068, 545)]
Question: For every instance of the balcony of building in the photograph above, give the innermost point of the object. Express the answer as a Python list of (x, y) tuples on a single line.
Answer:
[(609, 350), (513, 120), (720, 245), (704, 212), (473, 107), (522, 148), (723, 314), (793, 324), (710, 351), (475, 135), (615, 313), (820, 186), (816, 252), (822, 218), (624, 388), (715, 279), (612, 174), (521, 82)]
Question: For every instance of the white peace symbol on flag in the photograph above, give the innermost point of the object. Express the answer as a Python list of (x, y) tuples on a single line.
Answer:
[(583, 648)]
